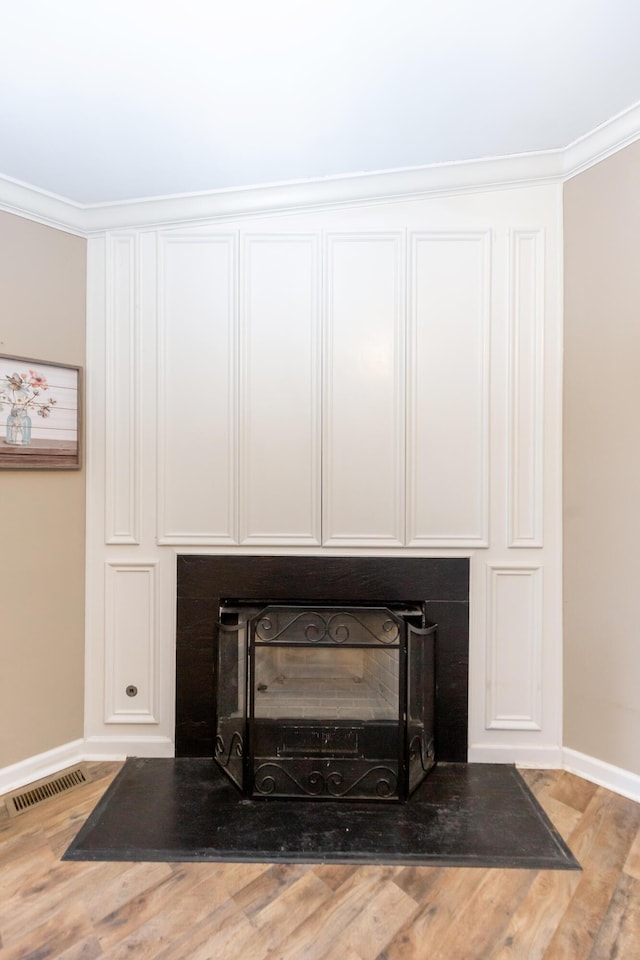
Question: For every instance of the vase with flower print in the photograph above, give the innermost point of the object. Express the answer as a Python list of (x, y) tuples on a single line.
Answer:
[(24, 393), (18, 426)]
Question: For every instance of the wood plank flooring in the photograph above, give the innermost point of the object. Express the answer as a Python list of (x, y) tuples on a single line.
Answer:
[(202, 911)]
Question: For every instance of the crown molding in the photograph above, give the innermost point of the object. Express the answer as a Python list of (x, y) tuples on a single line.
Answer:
[(383, 186), (31, 203), (611, 136)]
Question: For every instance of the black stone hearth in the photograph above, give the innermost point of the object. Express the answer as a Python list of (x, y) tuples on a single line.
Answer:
[(468, 815), (205, 581)]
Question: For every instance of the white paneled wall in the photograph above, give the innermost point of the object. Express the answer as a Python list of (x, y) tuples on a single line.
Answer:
[(514, 647), (364, 390), (448, 380), (122, 359), (280, 366), (196, 395), (131, 657), (379, 380), (526, 388)]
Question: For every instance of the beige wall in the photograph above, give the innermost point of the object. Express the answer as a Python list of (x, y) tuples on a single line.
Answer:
[(42, 316), (602, 461)]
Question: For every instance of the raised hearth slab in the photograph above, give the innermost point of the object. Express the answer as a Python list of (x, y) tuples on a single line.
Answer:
[(185, 810)]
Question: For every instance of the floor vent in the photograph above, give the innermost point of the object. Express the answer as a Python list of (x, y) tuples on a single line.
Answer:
[(25, 799)]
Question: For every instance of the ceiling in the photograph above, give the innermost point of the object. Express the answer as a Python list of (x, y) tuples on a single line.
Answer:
[(109, 100)]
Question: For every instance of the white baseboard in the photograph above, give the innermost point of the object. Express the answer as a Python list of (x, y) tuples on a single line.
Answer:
[(42, 765), (621, 781), (93, 748), (119, 748), (545, 757)]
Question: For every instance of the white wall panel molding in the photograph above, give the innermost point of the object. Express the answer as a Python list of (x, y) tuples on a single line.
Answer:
[(131, 642), (526, 389), (514, 647), (404, 338), (448, 389), (197, 389), (364, 403), (94, 405), (280, 382), (95, 480), (122, 388)]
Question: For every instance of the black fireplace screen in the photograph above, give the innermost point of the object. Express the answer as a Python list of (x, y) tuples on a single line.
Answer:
[(325, 702)]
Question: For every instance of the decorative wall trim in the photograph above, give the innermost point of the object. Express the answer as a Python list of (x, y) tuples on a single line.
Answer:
[(122, 406), (32, 203), (621, 781), (514, 647), (446, 179), (41, 765), (603, 141), (335, 456), (478, 533), (270, 378), (131, 631), (526, 388), (225, 502), (493, 173)]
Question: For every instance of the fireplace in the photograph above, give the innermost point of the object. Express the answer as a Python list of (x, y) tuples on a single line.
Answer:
[(323, 701), (428, 590)]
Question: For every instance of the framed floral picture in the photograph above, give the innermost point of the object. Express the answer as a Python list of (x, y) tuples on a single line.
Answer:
[(40, 415)]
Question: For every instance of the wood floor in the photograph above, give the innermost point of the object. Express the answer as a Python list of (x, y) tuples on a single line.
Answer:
[(82, 911)]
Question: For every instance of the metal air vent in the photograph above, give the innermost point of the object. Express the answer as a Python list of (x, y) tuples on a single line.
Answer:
[(22, 800)]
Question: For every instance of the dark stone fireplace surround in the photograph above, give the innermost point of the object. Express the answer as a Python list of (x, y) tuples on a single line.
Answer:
[(203, 581)]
